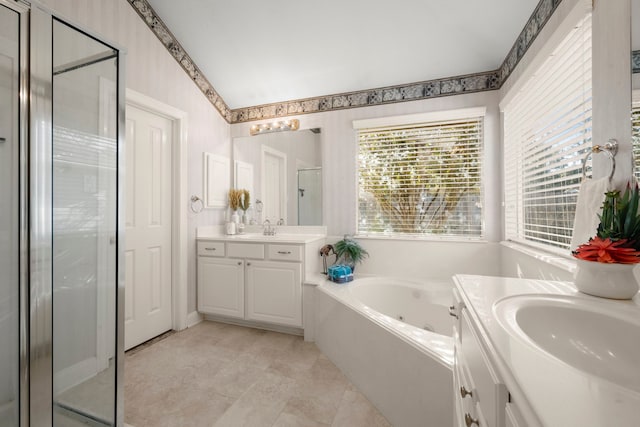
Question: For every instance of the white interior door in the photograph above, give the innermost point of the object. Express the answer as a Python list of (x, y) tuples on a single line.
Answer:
[(274, 184), (148, 226)]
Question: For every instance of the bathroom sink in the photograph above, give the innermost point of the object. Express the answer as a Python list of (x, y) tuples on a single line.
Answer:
[(600, 338)]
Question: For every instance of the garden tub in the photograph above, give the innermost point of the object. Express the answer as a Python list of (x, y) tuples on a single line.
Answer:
[(392, 339)]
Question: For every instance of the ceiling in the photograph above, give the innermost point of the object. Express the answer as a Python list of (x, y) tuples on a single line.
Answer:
[(258, 52)]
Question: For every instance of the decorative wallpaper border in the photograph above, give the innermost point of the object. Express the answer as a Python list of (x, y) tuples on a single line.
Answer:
[(536, 22), (488, 80), (379, 96), (153, 21)]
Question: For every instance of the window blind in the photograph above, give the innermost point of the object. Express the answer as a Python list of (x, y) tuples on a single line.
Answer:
[(547, 132), (421, 179), (635, 138)]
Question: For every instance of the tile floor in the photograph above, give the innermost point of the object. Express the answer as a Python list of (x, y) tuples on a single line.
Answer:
[(221, 375)]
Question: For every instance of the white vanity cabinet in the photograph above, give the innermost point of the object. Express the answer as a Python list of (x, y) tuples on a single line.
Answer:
[(220, 281), (480, 396), (221, 286), (256, 282), (274, 292)]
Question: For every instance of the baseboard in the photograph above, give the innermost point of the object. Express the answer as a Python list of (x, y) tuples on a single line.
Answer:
[(194, 318), (257, 325), (75, 374)]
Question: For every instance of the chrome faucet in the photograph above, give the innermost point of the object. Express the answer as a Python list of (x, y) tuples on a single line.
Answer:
[(280, 221), (268, 230)]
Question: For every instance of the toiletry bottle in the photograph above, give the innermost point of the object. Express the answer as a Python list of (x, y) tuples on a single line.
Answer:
[(231, 228)]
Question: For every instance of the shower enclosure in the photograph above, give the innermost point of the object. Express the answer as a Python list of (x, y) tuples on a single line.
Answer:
[(61, 114), (310, 196)]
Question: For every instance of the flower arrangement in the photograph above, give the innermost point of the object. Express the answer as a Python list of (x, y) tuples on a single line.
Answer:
[(617, 240), (245, 200), (235, 197)]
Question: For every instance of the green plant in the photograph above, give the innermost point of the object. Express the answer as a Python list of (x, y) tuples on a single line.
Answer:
[(620, 219), (617, 238), (349, 251)]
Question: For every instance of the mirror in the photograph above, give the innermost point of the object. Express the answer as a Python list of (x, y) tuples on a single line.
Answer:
[(283, 173)]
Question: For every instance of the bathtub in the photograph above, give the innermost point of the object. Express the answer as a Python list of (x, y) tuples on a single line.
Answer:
[(392, 339)]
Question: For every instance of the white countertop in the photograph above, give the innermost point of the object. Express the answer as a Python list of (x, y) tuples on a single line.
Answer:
[(559, 394), (254, 234)]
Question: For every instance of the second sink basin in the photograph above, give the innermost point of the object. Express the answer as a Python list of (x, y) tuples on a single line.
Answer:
[(598, 337)]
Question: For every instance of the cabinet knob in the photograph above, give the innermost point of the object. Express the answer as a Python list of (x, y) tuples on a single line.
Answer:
[(285, 252), (209, 249), (248, 263), (469, 421), (452, 311), (239, 262), (464, 392)]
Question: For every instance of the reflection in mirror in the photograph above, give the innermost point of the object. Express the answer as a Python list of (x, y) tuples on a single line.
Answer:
[(310, 196), (283, 170)]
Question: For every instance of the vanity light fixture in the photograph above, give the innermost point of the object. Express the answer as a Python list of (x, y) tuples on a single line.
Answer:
[(278, 126)]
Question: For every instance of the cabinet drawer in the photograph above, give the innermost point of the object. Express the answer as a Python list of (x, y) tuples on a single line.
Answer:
[(210, 248), (489, 393), (285, 252), (245, 250)]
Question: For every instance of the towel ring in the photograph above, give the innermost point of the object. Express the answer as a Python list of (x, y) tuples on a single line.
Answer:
[(610, 149), (196, 204)]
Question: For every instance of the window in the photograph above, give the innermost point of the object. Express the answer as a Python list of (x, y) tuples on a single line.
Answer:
[(421, 179), (547, 132), (635, 137)]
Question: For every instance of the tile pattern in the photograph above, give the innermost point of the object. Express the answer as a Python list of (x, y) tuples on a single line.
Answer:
[(635, 61), (153, 21), (489, 80), (225, 375)]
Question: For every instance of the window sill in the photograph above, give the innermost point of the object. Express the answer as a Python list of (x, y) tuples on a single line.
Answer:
[(411, 238), (564, 262)]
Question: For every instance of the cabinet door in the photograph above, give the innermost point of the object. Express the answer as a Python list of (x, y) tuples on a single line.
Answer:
[(221, 286), (274, 292)]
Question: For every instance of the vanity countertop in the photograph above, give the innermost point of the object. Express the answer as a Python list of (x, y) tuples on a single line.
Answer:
[(558, 393), (259, 238)]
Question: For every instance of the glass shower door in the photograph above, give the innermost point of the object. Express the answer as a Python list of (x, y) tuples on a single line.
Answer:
[(9, 217), (310, 196), (84, 227)]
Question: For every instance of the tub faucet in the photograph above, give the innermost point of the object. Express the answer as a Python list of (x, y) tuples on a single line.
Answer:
[(268, 230)]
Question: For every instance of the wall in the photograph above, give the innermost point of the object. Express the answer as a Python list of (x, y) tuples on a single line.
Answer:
[(152, 71), (339, 155)]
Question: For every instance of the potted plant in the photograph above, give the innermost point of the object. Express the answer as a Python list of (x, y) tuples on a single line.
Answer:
[(350, 252), (606, 261)]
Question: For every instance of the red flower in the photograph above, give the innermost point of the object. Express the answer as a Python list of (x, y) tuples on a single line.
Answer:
[(608, 251)]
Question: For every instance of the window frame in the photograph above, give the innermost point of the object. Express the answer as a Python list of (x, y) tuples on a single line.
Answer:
[(426, 119), (519, 235)]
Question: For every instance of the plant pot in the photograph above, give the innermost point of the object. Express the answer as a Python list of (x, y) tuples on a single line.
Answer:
[(614, 281)]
